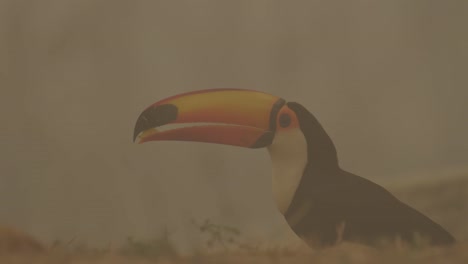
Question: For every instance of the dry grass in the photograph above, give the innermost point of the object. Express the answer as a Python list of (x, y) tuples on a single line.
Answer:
[(446, 201), (344, 253)]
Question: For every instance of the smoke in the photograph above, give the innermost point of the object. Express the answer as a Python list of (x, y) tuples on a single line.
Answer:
[(386, 79)]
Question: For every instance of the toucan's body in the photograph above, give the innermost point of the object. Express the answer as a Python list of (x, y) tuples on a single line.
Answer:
[(356, 210), (322, 203)]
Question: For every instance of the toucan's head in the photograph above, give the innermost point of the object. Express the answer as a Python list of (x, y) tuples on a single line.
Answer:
[(237, 117), (245, 118)]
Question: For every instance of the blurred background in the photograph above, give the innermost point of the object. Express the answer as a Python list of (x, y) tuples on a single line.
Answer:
[(387, 79)]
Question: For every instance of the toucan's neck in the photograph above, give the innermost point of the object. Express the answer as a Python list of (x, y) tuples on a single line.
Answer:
[(295, 150), (288, 154)]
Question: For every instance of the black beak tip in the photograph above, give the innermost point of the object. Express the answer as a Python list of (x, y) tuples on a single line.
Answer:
[(141, 125), (154, 117)]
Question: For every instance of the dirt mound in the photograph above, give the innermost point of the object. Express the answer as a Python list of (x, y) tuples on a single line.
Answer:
[(15, 241)]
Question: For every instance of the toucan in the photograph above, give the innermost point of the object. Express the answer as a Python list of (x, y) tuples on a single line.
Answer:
[(322, 203)]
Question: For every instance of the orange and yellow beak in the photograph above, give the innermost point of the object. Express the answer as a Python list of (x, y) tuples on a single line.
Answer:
[(235, 117)]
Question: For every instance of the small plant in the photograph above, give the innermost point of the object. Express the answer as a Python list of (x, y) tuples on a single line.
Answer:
[(219, 235), (160, 247)]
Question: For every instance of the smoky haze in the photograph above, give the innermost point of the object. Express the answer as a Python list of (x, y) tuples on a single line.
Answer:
[(387, 79)]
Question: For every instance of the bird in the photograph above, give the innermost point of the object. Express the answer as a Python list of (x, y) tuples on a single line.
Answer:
[(322, 203)]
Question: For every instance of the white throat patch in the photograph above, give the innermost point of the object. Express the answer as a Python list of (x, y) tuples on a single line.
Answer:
[(288, 154)]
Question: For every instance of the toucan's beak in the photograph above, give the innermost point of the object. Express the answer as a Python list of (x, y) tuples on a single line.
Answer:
[(235, 117)]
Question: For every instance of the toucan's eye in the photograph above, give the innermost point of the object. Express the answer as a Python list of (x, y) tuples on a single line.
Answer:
[(284, 120)]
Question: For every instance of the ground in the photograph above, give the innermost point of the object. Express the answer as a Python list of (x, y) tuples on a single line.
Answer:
[(445, 200)]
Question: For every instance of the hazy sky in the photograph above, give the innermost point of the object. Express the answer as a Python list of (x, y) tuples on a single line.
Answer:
[(387, 79)]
